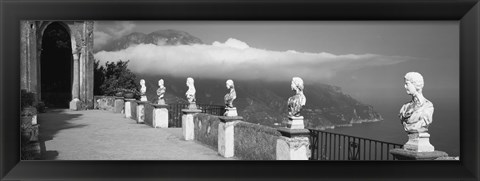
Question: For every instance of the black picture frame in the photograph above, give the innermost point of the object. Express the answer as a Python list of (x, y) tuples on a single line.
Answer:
[(467, 12)]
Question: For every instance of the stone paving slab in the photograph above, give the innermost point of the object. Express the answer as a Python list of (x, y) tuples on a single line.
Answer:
[(104, 135)]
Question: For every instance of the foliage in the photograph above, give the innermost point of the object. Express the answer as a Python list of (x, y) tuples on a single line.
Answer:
[(133, 91), (112, 77), (30, 111), (27, 99), (98, 77), (41, 107)]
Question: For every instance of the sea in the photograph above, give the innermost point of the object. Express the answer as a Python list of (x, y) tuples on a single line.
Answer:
[(444, 130)]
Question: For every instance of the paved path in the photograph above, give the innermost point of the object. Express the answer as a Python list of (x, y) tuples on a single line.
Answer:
[(103, 135)]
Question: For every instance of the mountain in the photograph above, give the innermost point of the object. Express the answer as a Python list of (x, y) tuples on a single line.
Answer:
[(160, 37), (265, 102)]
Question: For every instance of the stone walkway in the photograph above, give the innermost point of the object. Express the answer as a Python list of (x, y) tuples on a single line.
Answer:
[(103, 135)]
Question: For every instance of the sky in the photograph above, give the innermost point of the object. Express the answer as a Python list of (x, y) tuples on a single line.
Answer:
[(367, 59)]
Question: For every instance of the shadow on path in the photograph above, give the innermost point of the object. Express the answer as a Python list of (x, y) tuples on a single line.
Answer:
[(52, 122)]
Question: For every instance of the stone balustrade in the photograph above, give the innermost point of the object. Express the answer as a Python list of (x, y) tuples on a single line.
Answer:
[(231, 136)]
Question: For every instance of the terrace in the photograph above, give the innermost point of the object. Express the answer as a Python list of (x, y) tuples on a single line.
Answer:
[(107, 133)]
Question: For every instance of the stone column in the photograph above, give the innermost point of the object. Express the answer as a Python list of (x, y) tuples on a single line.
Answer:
[(141, 112), (226, 135), (119, 104), (160, 115), (75, 103), (294, 142), (128, 107), (187, 123), (418, 147)]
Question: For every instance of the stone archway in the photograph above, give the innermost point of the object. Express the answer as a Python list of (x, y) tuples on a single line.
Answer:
[(56, 65), (80, 59)]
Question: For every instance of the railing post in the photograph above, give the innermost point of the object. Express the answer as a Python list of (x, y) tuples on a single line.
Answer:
[(187, 122), (226, 135), (141, 112), (294, 142), (160, 116), (119, 104), (128, 107)]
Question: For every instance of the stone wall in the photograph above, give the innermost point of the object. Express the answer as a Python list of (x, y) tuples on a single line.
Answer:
[(134, 110), (149, 114), (255, 142), (252, 141), (206, 129), (104, 103)]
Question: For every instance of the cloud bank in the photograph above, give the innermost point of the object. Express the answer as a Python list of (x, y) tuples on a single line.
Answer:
[(106, 31), (237, 60)]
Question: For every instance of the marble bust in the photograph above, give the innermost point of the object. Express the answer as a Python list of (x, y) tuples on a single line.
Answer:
[(232, 95), (416, 115), (143, 89), (161, 92), (297, 101), (190, 94)]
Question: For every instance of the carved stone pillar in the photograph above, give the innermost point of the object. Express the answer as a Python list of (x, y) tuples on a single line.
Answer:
[(160, 115), (226, 135), (75, 103), (293, 144), (129, 107), (187, 123), (141, 112)]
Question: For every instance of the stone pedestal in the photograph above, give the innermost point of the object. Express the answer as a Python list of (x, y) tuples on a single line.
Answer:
[(293, 144), (188, 125), (119, 104), (402, 154), (226, 135), (419, 142), (161, 102), (141, 112), (143, 98), (295, 122), (160, 116), (418, 147), (34, 119), (192, 106), (75, 104), (231, 111), (128, 107)]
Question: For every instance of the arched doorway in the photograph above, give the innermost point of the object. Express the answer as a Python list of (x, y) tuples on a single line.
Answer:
[(56, 66)]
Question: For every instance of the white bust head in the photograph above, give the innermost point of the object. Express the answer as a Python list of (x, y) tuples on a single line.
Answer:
[(297, 84), (413, 82), (142, 82), (229, 84), (160, 83), (190, 81)]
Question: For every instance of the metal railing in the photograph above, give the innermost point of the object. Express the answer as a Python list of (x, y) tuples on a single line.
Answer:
[(334, 146), (175, 112)]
